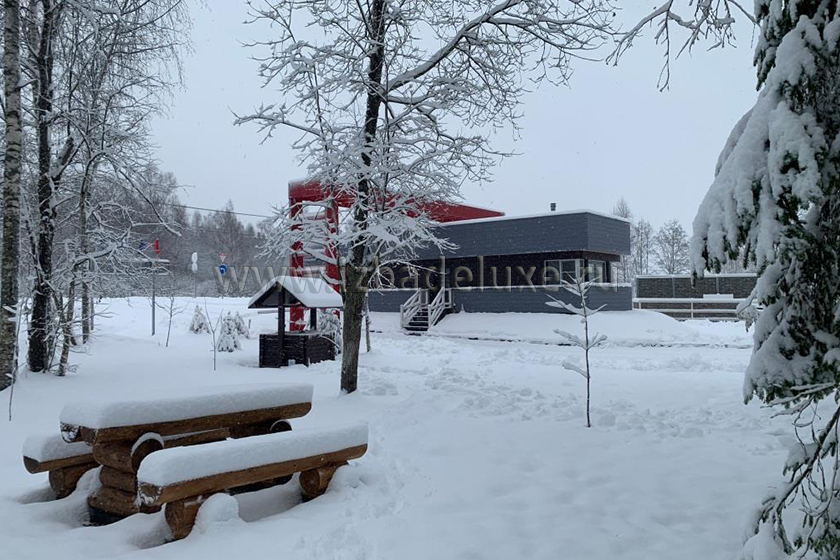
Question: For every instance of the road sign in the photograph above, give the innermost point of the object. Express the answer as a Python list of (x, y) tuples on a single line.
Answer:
[(156, 246), (222, 269), (222, 256)]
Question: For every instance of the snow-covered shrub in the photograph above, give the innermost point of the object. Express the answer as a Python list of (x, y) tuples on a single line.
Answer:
[(199, 323), (330, 324), (241, 327), (228, 335)]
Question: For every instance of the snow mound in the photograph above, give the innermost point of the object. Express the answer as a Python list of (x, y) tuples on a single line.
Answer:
[(622, 328), (218, 510)]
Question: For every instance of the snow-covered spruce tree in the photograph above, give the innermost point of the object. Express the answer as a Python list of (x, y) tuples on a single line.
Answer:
[(776, 196), (228, 335), (199, 323), (395, 101), (579, 289)]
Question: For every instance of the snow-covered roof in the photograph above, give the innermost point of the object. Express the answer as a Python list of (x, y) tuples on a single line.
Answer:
[(529, 216), (706, 275), (306, 291)]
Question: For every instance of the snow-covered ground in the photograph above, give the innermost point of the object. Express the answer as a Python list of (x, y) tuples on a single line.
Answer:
[(477, 447)]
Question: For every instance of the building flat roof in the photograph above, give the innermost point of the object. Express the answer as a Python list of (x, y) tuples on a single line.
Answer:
[(541, 215)]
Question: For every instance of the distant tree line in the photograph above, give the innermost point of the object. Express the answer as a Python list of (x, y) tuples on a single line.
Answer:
[(657, 251)]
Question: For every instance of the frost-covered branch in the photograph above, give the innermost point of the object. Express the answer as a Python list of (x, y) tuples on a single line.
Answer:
[(699, 21)]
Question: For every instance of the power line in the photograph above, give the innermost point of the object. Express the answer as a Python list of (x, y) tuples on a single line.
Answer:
[(216, 210)]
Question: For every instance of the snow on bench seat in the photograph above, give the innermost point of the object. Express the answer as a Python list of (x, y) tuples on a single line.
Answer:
[(65, 462), (197, 409), (44, 452), (179, 473)]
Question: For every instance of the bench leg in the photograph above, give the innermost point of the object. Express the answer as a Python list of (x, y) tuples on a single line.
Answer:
[(109, 504), (180, 515), (314, 482), (63, 481)]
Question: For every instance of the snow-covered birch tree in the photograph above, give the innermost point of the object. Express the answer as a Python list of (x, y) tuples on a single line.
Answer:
[(98, 73), (643, 247), (775, 201), (395, 101), (671, 248), (12, 165), (626, 270)]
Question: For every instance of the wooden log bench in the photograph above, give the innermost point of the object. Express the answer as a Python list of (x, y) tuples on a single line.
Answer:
[(65, 462), (122, 433), (182, 479)]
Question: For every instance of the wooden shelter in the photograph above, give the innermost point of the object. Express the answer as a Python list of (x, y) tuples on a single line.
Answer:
[(304, 347)]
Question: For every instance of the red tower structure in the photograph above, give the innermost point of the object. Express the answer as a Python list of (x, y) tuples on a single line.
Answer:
[(307, 192)]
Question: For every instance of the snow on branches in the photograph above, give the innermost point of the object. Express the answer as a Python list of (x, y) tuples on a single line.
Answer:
[(776, 201), (228, 334), (199, 323), (579, 290), (699, 21)]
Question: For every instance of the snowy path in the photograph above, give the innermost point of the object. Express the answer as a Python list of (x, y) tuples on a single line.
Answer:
[(478, 450)]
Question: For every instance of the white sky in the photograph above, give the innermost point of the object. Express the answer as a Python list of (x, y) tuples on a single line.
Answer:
[(610, 134)]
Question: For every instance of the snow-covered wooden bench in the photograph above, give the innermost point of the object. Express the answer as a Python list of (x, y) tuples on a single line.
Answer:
[(65, 462), (183, 478), (122, 433)]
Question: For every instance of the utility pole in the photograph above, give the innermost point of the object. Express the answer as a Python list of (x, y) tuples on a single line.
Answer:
[(154, 276)]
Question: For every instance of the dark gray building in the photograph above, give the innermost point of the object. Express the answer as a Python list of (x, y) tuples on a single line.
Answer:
[(513, 264), (739, 286)]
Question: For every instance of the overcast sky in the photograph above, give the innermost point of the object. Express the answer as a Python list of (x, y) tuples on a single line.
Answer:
[(611, 133)]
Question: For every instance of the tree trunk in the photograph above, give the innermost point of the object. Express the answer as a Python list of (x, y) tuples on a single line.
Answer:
[(42, 291), (11, 193), (367, 323), (354, 304), (357, 272), (66, 317), (90, 169)]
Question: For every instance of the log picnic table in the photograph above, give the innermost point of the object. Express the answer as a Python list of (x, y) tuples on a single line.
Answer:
[(183, 479), (121, 434)]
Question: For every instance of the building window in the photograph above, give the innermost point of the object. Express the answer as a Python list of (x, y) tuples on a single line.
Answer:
[(597, 272), (551, 273), (564, 270), (570, 270)]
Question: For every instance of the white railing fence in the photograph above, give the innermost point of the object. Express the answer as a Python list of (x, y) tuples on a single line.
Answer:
[(442, 302), (719, 309), (415, 303)]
